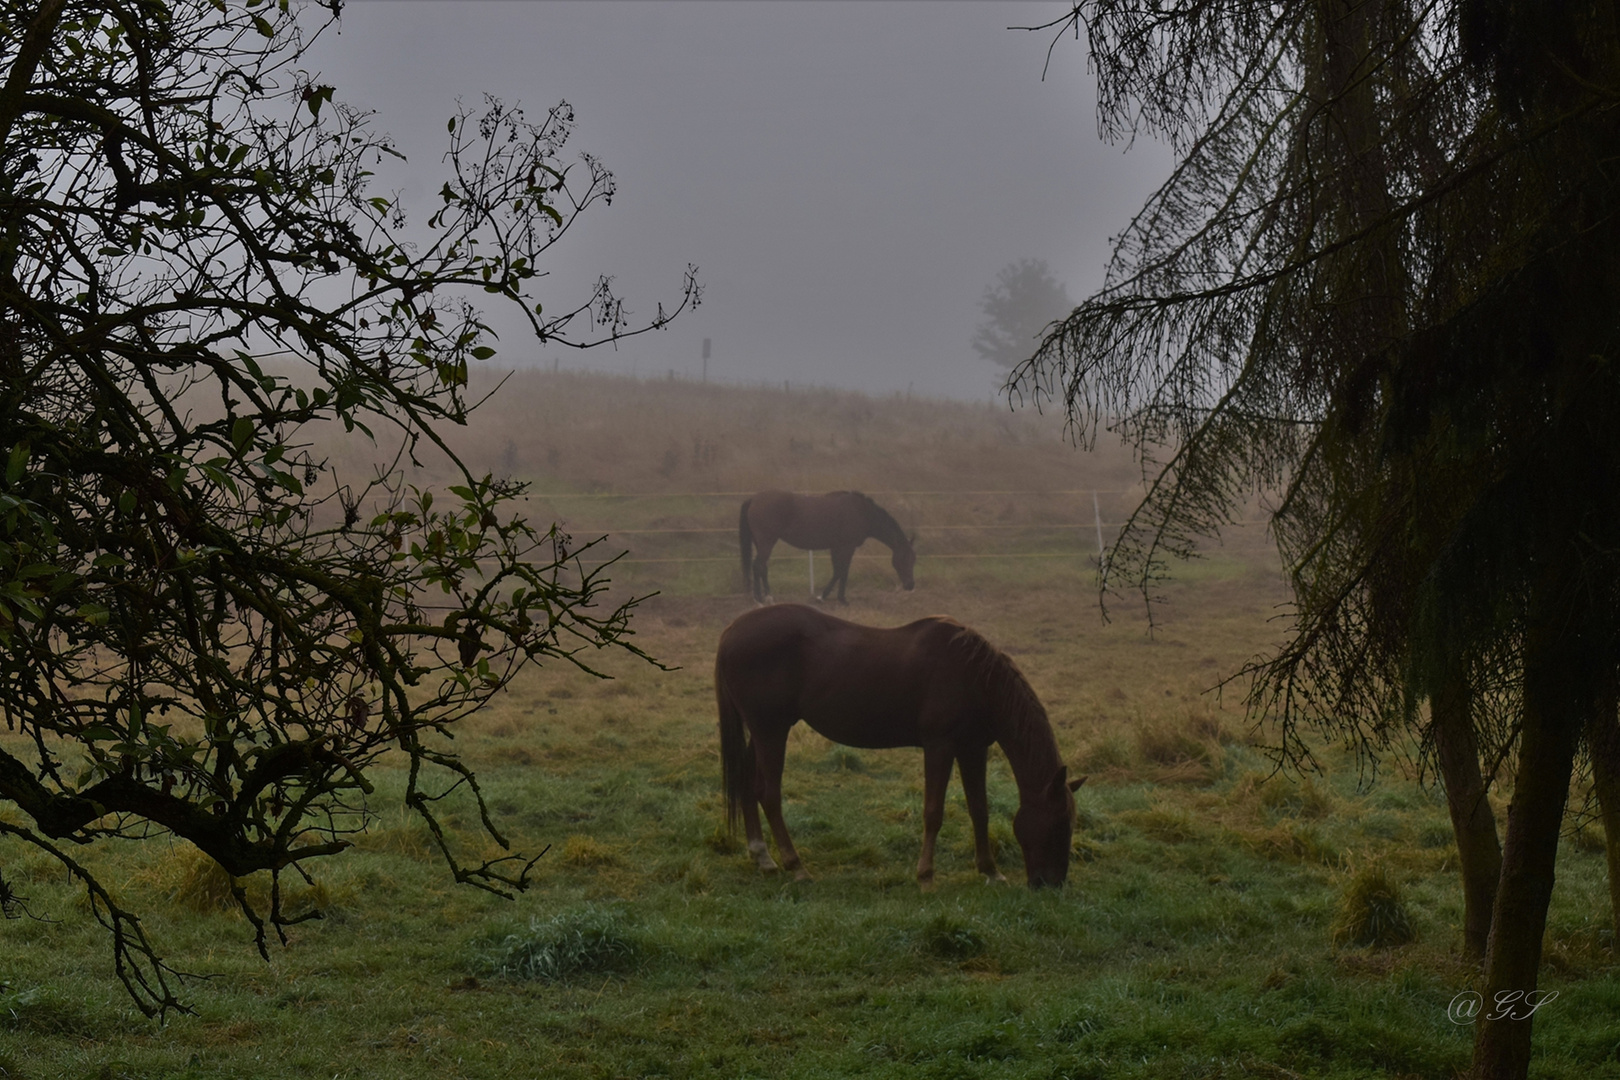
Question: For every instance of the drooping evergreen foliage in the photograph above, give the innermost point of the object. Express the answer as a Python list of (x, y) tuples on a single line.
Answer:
[(1381, 286)]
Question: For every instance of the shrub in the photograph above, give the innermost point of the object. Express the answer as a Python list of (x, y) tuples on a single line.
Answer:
[(1372, 913), (586, 941)]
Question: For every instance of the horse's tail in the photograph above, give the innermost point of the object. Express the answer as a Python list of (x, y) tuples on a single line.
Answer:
[(736, 755), (745, 538)]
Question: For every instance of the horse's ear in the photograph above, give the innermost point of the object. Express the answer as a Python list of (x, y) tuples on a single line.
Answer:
[(1074, 785), (1060, 781)]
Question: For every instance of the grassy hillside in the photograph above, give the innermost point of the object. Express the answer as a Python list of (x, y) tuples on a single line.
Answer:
[(1207, 929), (660, 468)]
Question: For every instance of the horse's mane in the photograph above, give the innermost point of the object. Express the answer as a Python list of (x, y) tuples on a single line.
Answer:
[(1023, 713), (880, 522)]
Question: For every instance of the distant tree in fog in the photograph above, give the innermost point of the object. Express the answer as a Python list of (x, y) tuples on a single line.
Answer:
[(203, 634), (1025, 300)]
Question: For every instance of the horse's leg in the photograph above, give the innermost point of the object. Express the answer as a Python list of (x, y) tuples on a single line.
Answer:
[(762, 569), (936, 778), (840, 575), (757, 571), (768, 774), (971, 760), (750, 812)]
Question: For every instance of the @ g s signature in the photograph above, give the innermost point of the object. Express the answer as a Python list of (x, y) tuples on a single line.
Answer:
[(1510, 1005)]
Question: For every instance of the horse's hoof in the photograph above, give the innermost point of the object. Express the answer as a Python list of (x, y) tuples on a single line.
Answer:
[(801, 875), (997, 878), (768, 866), (925, 884)]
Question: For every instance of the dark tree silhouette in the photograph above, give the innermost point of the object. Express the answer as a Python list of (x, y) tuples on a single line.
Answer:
[(1381, 284), (1018, 310), (203, 631)]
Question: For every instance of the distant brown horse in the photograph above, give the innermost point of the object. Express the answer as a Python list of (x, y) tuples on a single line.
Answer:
[(840, 520), (933, 683)]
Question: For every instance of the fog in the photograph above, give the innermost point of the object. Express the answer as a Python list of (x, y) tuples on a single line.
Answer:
[(848, 178)]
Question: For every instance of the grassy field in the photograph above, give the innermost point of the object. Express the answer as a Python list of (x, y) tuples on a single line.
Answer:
[(1197, 935)]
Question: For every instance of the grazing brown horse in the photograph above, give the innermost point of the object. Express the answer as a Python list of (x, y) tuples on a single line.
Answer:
[(841, 520), (933, 683)]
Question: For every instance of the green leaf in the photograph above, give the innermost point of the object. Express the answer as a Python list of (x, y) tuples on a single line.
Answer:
[(242, 434), (93, 613), (483, 352), (17, 463)]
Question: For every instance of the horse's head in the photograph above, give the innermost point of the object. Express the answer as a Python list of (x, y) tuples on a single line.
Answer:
[(905, 558), (1044, 826)]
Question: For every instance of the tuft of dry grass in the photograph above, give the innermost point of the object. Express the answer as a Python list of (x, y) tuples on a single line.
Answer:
[(1589, 837), (1166, 823), (585, 851), (1176, 754), (197, 883), (1372, 912), (194, 881), (403, 834), (1303, 798), (1108, 754), (1292, 842), (723, 841), (1206, 724)]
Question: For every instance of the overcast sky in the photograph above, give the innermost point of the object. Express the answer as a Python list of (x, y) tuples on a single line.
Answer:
[(848, 177)]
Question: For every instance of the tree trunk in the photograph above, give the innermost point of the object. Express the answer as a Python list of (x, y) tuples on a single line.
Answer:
[(1552, 704), (1479, 853), (1603, 743)]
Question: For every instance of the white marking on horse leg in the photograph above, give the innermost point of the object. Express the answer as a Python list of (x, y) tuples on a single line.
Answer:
[(762, 856)]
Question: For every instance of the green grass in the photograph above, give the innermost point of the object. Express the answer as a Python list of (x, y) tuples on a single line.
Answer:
[(1195, 938), (1191, 940)]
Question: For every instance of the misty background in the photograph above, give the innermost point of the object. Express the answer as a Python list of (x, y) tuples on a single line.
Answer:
[(849, 179)]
